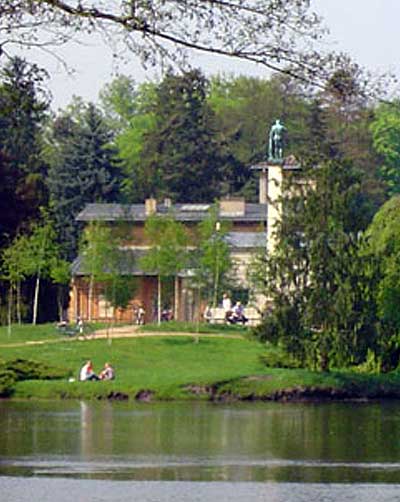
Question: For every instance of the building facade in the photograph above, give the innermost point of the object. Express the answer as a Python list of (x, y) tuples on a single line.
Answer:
[(251, 230)]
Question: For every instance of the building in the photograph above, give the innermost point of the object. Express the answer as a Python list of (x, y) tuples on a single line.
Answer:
[(251, 229)]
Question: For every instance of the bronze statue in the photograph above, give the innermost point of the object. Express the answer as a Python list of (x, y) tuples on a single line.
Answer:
[(275, 147)]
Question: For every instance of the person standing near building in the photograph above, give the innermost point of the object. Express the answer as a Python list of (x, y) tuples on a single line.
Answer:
[(227, 306)]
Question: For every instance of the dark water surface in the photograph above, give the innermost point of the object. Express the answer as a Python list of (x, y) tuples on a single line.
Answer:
[(327, 452)]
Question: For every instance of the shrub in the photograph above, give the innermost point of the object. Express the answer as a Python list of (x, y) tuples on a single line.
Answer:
[(7, 382), (276, 357), (26, 369)]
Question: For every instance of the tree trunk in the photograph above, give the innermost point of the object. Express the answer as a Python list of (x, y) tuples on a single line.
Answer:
[(196, 338), (36, 300), (159, 300), (59, 303), (176, 299), (90, 298), (216, 280), (19, 302), (9, 313)]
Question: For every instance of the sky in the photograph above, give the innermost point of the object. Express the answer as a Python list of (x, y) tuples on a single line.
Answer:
[(366, 29)]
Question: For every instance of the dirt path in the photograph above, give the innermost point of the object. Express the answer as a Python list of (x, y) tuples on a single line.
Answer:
[(119, 332)]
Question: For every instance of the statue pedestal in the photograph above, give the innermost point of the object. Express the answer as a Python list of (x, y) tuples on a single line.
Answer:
[(270, 190)]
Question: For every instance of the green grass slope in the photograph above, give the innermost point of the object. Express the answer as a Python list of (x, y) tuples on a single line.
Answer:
[(176, 367)]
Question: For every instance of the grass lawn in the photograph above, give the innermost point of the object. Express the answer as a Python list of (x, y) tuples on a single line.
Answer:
[(29, 333), (192, 327), (167, 365)]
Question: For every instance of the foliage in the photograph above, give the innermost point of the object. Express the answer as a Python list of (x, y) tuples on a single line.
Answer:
[(130, 108), (168, 253), (26, 369), (213, 264), (282, 36), (276, 357), (168, 240), (23, 107), (119, 290), (7, 382), (107, 264), (386, 131), (83, 169), (383, 249), (245, 108), (41, 254), (315, 277), (183, 148), (18, 370), (96, 248)]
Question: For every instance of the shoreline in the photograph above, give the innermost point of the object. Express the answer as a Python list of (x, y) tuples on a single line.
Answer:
[(218, 394)]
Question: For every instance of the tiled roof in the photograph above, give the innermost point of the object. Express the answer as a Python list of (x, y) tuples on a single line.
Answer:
[(181, 212)]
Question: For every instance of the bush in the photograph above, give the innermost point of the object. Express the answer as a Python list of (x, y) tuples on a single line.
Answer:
[(276, 357), (7, 382), (25, 369)]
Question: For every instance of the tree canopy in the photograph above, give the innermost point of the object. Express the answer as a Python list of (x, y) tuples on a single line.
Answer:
[(279, 35)]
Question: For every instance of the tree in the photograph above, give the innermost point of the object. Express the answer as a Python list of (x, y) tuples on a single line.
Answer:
[(184, 148), (245, 108), (129, 108), (213, 261), (14, 271), (96, 248), (315, 276), (83, 169), (386, 132), (107, 264), (168, 252), (23, 107), (60, 274), (265, 32), (39, 255), (383, 249)]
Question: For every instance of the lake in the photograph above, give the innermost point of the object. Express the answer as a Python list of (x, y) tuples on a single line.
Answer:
[(102, 451)]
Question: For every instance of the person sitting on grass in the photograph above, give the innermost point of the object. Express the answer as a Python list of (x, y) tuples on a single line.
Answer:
[(107, 373), (86, 373)]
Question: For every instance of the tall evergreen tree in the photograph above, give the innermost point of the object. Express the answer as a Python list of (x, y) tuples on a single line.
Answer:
[(83, 170), (314, 276), (183, 154), (23, 107)]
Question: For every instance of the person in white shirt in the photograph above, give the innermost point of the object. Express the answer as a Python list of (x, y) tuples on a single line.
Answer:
[(86, 373), (227, 306)]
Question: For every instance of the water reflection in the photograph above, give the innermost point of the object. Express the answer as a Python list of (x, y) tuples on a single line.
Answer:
[(306, 443)]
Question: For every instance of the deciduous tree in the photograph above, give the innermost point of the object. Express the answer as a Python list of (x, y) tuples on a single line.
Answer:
[(168, 253), (280, 35)]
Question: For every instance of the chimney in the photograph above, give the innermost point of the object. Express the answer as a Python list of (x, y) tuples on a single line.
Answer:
[(232, 207), (150, 206)]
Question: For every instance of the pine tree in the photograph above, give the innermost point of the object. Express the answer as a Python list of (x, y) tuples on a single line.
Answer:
[(83, 170), (315, 276), (183, 153), (23, 107)]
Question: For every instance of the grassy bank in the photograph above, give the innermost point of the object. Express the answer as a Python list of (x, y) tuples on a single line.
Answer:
[(176, 367)]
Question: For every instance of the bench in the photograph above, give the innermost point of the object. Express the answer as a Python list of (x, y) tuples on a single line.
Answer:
[(252, 314)]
